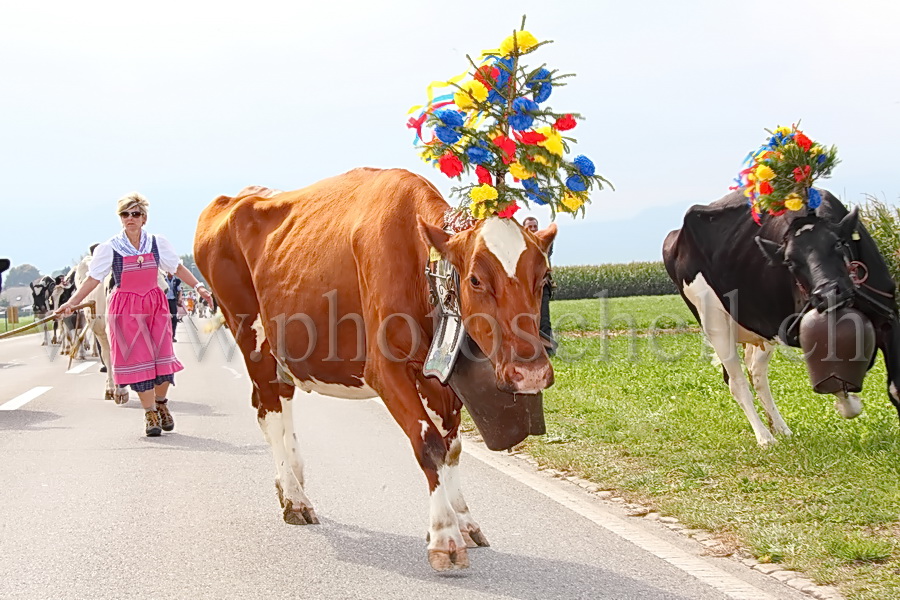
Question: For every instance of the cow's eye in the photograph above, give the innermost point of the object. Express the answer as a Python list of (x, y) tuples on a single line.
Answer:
[(474, 281), (839, 245)]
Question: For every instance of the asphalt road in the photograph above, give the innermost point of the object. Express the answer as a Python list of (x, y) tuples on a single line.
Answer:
[(92, 509)]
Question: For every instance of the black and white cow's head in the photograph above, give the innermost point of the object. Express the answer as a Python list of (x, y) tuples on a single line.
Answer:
[(4, 265), (40, 294), (817, 252)]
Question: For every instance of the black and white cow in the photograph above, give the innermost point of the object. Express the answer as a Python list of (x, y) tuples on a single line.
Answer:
[(42, 302), (4, 265), (747, 284)]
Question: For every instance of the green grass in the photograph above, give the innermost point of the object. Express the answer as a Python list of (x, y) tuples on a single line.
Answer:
[(5, 326), (642, 313), (649, 415)]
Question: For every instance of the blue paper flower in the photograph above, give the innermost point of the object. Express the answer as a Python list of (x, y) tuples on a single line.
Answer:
[(446, 135), (542, 93), (524, 105), (533, 191), (538, 78), (450, 118), (519, 121), (576, 183), (505, 66), (584, 164), (815, 198), (821, 159), (495, 97), (478, 154)]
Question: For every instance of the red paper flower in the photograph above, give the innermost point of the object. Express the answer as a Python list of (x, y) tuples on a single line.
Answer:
[(450, 165), (530, 137), (484, 176), (487, 74), (509, 211), (765, 188), (564, 123), (803, 141), (507, 147), (801, 174)]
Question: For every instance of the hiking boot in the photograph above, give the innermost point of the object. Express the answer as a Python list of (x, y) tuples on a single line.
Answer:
[(165, 417), (153, 429)]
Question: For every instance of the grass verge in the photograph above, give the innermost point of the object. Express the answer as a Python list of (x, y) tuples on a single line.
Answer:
[(645, 412)]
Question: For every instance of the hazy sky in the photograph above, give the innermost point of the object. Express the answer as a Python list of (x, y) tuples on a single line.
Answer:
[(184, 101)]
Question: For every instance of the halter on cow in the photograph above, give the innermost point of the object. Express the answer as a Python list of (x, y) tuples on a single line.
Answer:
[(749, 284), (325, 290)]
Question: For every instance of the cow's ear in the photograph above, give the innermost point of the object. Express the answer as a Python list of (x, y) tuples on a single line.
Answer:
[(546, 236), (773, 252), (848, 224), (433, 237)]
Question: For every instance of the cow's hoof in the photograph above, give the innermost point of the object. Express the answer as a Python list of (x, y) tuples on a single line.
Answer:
[(108, 395), (444, 560), (299, 516), (474, 539), (280, 493)]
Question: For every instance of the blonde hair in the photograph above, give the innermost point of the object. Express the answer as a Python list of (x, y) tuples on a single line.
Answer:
[(132, 201)]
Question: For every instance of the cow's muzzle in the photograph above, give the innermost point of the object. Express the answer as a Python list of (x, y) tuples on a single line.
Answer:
[(830, 296), (525, 377)]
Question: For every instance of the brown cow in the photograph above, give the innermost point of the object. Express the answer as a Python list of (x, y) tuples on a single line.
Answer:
[(324, 289)]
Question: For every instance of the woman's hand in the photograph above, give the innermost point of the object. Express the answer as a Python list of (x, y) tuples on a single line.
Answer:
[(65, 310), (201, 289)]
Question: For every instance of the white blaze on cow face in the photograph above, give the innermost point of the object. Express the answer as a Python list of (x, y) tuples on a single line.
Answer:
[(260, 331), (804, 229), (504, 239)]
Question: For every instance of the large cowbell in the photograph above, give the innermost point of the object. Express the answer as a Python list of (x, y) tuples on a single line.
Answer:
[(503, 419), (838, 346)]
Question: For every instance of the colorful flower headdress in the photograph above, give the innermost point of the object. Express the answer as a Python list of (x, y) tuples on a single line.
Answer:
[(493, 121), (780, 175)]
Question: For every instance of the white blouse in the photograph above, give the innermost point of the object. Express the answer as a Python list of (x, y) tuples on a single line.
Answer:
[(101, 264)]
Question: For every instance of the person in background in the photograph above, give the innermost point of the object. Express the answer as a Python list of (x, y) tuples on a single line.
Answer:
[(531, 224), (140, 332), (173, 295)]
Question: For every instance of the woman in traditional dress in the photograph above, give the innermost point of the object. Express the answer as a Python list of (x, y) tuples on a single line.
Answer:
[(140, 328)]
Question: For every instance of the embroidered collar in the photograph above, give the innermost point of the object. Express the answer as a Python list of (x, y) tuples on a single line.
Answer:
[(122, 245)]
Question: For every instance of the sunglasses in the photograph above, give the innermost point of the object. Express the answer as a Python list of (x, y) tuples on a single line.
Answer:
[(135, 213)]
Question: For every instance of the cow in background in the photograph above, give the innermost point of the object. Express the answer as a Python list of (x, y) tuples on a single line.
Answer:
[(4, 265), (342, 263), (98, 326), (42, 303), (71, 325), (748, 284)]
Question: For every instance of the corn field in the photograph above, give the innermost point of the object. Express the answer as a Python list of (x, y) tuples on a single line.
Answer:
[(612, 280)]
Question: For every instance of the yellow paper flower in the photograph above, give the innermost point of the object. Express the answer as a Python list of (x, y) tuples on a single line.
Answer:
[(573, 201), (541, 159), (784, 130), (793, 202), (463, 99), (816, 150), (764, 173), (553, 143), (479, 210), (483, 193), (519, 171), (523, 39)]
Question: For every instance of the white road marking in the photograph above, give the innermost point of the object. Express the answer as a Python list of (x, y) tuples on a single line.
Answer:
[(23, 399), (80, 368), (575, 501)]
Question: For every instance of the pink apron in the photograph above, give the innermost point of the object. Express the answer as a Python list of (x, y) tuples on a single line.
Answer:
[(140, 327)]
